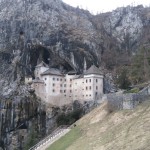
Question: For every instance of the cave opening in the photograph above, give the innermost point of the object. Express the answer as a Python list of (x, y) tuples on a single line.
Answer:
[(46, 56), (21, 33)]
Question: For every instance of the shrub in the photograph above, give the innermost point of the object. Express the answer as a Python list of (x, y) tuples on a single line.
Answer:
[(123, 80), (135, 90), (69, 118)]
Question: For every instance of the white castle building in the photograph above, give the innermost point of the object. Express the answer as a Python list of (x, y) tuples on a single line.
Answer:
[(56, 88)]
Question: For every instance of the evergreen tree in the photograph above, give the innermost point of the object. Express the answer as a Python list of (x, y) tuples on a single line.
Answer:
[(140, 66), (123, 80)]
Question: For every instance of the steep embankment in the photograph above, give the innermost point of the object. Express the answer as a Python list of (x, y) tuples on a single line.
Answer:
[(64, 37), (102, 130)]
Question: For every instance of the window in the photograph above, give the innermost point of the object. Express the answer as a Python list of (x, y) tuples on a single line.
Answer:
[(65, 79), (70, 91), (70, 85), (60, 91), (86, 80), (96, 87), (60, 85), (53, 84), (22, 137), (70, 79), (60, 79), (90, 95), (86, 88), (64, 85), (65, 95), (83, 95), (86, 95), (57, 79), (90, 87), (96, 80), (45, 78), (53, 78), (53, 90), (89, 80), (64, 91)]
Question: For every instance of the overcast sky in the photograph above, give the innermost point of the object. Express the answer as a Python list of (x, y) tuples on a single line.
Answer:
[(104, 5)]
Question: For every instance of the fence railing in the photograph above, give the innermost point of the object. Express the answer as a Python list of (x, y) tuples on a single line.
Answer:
[(48, 138)]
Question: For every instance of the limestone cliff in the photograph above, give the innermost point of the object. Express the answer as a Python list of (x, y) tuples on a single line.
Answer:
[(63, 37)]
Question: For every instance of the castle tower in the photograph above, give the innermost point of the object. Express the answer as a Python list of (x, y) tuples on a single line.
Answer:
[(85, 65), (72, 58)]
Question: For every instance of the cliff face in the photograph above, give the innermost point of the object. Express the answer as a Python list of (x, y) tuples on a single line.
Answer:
[(44, 29), (123, 31), (32, 31), (63, 36)]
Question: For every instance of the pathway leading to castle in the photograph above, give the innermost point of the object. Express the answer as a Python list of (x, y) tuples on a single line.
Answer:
[(44, 144), (44, 147)]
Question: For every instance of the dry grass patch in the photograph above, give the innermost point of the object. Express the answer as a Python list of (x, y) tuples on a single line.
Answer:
[(122, 130)]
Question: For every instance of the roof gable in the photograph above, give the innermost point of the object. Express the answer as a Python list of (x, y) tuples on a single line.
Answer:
[(93, 70), (72, 72), (52, 71), (42, 64)]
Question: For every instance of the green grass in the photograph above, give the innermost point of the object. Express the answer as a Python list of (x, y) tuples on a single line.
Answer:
[(119, 130), (134, 90), (122, 130), (67, 140)]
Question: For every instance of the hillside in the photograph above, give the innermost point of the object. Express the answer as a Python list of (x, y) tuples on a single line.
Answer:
[(65, 38), (102, 130)]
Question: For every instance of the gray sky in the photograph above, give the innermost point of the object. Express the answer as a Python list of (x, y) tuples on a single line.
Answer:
[(104, 5)]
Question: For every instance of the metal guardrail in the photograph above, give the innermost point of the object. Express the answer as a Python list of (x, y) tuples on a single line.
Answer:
[(56, 132), (59, 130)]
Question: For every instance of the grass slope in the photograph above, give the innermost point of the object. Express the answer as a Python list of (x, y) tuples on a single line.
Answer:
[(102, 130), (66, 140)]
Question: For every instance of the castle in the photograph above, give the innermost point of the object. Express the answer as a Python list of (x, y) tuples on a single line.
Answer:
[(57, 88)]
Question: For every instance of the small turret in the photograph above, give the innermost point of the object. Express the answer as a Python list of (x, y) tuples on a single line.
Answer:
[(85, 65)]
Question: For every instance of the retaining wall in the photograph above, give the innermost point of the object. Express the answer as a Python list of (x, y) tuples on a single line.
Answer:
[(126, 101)]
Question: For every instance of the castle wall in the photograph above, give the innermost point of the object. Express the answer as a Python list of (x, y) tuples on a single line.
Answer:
[(28, 80), (69, 87), (58, 89), (88, 88), (61, 90), (59, 100), (40, 90), (78, 89), (39, 70), (125, 101)]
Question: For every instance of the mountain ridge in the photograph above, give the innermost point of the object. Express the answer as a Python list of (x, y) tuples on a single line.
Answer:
[(63, 37)]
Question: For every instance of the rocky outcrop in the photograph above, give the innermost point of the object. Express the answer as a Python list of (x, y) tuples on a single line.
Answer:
[(63, 37), (126, 26), (44, 29)]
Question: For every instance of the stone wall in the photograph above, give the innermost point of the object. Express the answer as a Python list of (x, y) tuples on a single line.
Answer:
[(126, 101)]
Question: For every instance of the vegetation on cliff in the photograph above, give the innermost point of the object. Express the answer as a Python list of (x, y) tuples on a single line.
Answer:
[(137, 71), (32, 31)]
